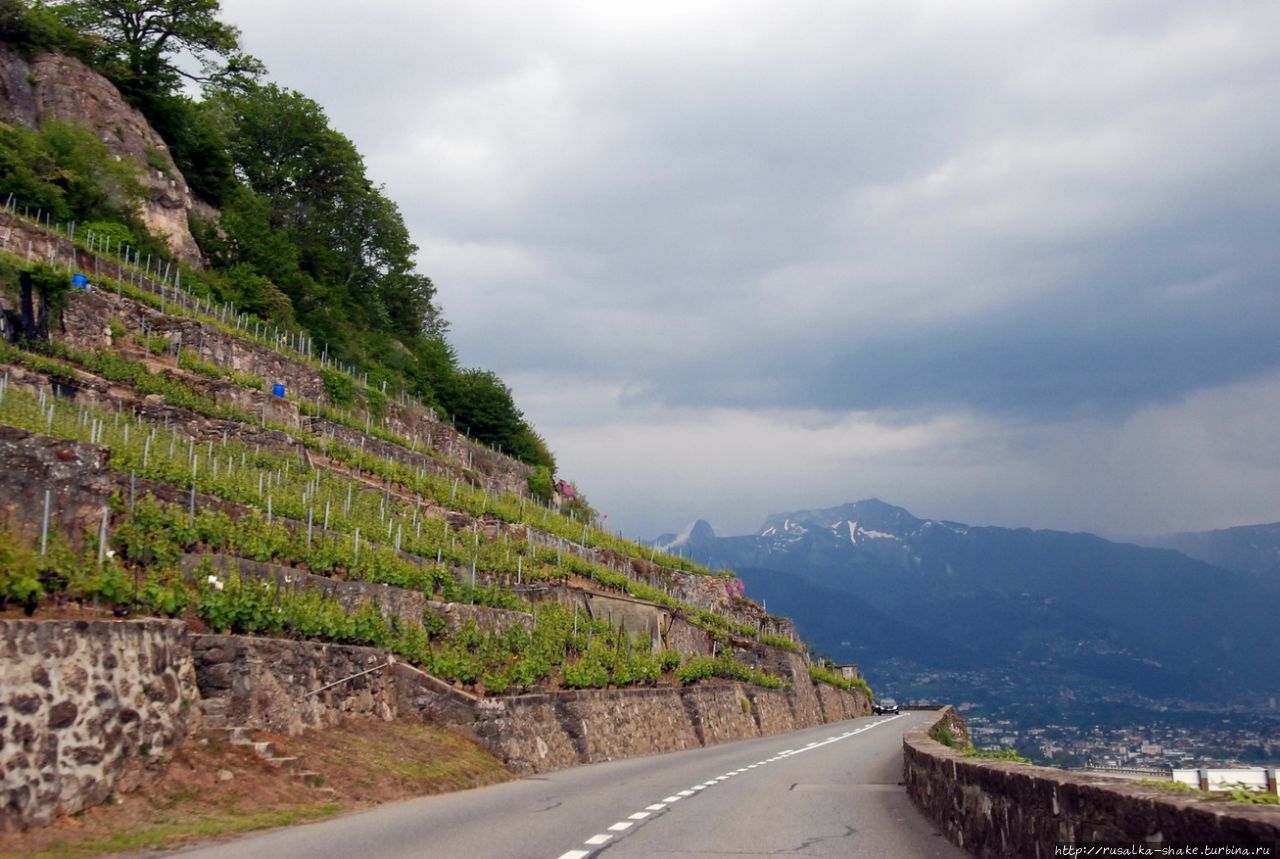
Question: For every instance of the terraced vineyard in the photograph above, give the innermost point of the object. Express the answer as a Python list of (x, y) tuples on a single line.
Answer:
[(241, 510)]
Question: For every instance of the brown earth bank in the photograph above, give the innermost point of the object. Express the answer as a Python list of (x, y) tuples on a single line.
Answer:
[(214, 789)]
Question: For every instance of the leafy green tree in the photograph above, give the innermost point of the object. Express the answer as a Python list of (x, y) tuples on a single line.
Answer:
[(309, 186), (483, 407), (139, 40)]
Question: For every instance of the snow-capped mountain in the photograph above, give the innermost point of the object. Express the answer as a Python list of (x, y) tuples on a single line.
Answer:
[(869, 582)]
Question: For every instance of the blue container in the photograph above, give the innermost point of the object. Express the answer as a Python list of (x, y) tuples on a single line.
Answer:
[(277, 390), (79, 281)]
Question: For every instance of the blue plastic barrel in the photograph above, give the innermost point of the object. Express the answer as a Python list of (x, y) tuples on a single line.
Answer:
[(277, 390), (79, 281)]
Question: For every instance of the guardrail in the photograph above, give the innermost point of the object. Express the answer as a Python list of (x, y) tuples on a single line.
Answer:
[(1255, 779)]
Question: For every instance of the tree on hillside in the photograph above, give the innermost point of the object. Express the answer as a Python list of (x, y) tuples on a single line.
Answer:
[(307, 182), (482, 406), (140, 40)]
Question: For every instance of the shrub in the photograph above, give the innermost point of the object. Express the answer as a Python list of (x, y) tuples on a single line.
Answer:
[(19, 573), (340, 387), (540, 485)]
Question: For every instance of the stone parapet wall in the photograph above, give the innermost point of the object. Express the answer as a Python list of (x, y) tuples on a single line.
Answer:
[(997, 809), (88, 708)]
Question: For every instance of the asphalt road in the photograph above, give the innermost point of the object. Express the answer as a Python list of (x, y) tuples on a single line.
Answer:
[(827, 791)]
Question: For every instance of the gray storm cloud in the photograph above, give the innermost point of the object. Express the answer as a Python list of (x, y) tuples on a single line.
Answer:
[(1017, 218)]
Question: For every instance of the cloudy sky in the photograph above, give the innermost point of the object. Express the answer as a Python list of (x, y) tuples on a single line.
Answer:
[(1006, 263)]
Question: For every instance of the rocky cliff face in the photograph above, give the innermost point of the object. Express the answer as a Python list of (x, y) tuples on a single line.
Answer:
[(50, 86)]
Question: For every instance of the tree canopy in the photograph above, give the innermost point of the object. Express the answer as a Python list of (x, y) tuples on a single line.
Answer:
[(140, 39)]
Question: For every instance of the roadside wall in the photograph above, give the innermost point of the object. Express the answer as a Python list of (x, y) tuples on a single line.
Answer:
[(88, 708), (997, 808), (289, 686), (540, 733)]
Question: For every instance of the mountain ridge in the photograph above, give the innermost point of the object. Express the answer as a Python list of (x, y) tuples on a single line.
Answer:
[(1057, 607)]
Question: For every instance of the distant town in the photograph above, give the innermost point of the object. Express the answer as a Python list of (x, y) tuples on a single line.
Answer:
[(1157, 746), (1100, 726)]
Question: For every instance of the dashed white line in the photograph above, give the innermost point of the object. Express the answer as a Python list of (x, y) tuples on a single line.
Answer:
[(623, 825)]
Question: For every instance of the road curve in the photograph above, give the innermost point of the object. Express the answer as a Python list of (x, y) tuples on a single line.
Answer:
[(833, 790)]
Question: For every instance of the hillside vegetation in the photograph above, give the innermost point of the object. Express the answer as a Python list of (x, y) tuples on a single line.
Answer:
[(298, 235)]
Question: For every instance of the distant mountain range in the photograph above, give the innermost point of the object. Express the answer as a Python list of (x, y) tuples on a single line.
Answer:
[(936, 608), (1253, 549)]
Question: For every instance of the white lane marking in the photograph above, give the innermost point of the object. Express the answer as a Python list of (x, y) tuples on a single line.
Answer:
[(623, 825), (658, 806)]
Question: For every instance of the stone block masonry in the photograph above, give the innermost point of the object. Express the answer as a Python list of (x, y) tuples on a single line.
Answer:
[(997, 808), (88, 708), (75, 476), (289, 686)]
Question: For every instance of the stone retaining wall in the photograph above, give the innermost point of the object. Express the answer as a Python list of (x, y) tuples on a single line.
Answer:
[(545, 732), (285, 686), (997, 809), (88, 708), (288, 686), (75, 475)]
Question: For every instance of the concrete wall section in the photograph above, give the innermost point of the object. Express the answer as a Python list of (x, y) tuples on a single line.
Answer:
[(87, 708), (997, 809)]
